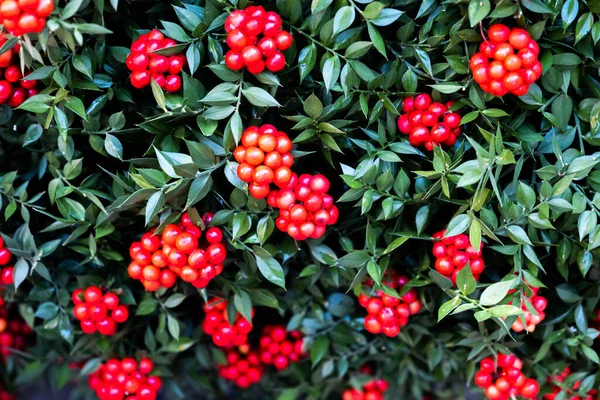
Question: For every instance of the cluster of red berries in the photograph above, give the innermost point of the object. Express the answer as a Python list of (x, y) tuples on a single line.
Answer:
[(125, 379), (145, 65), (13, 89), (243, 367), (216, 323), (506, 380), (556, 389), (92, 309), (243, 29), (13, 332), (194, 255), (305, 208), (539, 303), (496, 67), (372, 390), (279, 348), (264, 157), (6, 272), (453, 253), (387, 314), (20, 17), (428, 123)]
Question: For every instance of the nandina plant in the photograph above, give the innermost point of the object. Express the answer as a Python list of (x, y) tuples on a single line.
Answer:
[(290, 199)]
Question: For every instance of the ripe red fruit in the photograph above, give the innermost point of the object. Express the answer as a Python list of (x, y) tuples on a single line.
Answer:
[(5, 256), (237, 40), (267, 46), (158, 64), (140, 79), (172, 83), (257, 67), (92, 294), (283, 40), (234, 60), (275, 62), (107, 327)]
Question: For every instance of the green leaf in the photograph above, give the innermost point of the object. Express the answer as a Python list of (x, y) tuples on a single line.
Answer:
[(447, 307), (313, 107), (269, 267), (584, 26), (343, 19), (174, 300), (457, 225), (175, 31), (146, 307), (154, 205), (159, 96), (478, 10), (331, 70), (318, 349), (518, 235), (199, 188), (33, 133), (569, 11), (113, 146), (447, 87), (20, 272), (307, 60), (495, 292), (465, 281), (260, 97), (173, 326), (537, 6)]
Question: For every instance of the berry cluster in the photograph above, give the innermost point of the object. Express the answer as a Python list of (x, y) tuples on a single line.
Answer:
[(144, 64), (182, 250), (453, 253), (248, 50), (506, 381), (556, 381), (216, 324), (13, 332), (428, 123), (539, 303), (92, 309), (20, 17), (372, 390), (125, 379), (305, 208), (279, 348), (264, 157), (243, 368), (13, 89), (6, 272), (496, 67), (387, 314)]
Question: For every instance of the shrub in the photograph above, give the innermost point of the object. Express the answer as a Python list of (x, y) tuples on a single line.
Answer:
[(332, 199)]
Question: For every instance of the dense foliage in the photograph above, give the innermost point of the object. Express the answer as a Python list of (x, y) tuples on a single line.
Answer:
[(97, 155)]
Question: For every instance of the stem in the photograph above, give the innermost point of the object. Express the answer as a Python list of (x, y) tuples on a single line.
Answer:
[(318, 42)]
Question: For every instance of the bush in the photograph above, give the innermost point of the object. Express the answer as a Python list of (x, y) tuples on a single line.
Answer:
[(99, 168)]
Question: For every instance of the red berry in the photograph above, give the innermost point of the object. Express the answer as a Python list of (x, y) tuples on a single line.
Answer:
[(234, 60), (283, 40), (140, 79), (172, 83), (276, 62)]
